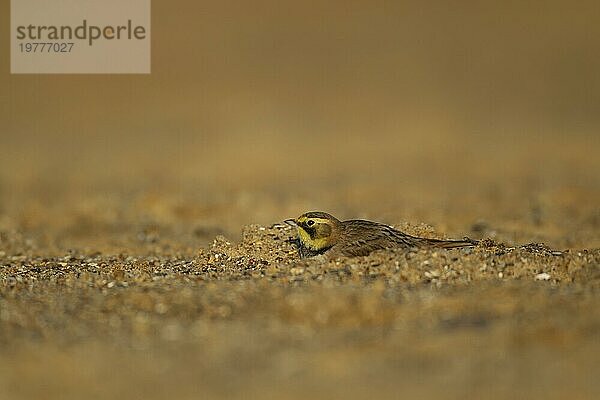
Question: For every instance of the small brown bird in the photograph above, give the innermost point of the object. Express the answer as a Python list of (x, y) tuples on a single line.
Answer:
[(322, 233)]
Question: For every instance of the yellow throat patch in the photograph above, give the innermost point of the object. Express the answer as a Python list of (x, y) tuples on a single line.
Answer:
[(317, 243)]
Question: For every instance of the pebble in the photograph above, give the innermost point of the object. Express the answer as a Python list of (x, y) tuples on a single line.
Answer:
[(432, 274), (542, 277)]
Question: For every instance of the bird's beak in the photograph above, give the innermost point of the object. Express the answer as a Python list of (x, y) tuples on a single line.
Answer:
[(291, 222)]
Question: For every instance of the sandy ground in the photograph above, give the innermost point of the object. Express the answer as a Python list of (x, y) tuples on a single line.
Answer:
[(145, 311), (137, 254)]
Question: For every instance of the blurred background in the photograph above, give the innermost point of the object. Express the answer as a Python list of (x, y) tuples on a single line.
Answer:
[(454, 119), (476, 118)]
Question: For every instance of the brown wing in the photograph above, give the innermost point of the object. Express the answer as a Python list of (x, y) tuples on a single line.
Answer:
[(449, 244), (360, 238)]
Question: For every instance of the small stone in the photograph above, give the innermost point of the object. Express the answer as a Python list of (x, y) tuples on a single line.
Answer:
[(432, 274), (161, 308), (542, 277), (297, 271)]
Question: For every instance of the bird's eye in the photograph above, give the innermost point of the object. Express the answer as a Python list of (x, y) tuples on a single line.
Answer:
[(310, 222)]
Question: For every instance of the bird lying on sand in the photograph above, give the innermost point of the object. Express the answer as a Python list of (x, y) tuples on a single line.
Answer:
[(320, 233)]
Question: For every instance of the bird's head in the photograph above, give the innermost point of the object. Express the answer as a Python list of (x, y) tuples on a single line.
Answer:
[(317, 230)]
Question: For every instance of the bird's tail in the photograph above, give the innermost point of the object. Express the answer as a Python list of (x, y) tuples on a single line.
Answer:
[(450, 244)]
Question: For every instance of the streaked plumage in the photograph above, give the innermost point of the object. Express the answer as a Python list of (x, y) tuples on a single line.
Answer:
[(321, 233)]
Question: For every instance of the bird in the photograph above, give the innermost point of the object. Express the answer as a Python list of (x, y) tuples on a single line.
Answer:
[(320, 233)]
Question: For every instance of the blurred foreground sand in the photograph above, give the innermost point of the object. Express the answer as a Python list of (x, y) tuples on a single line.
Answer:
[(123, 268)]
